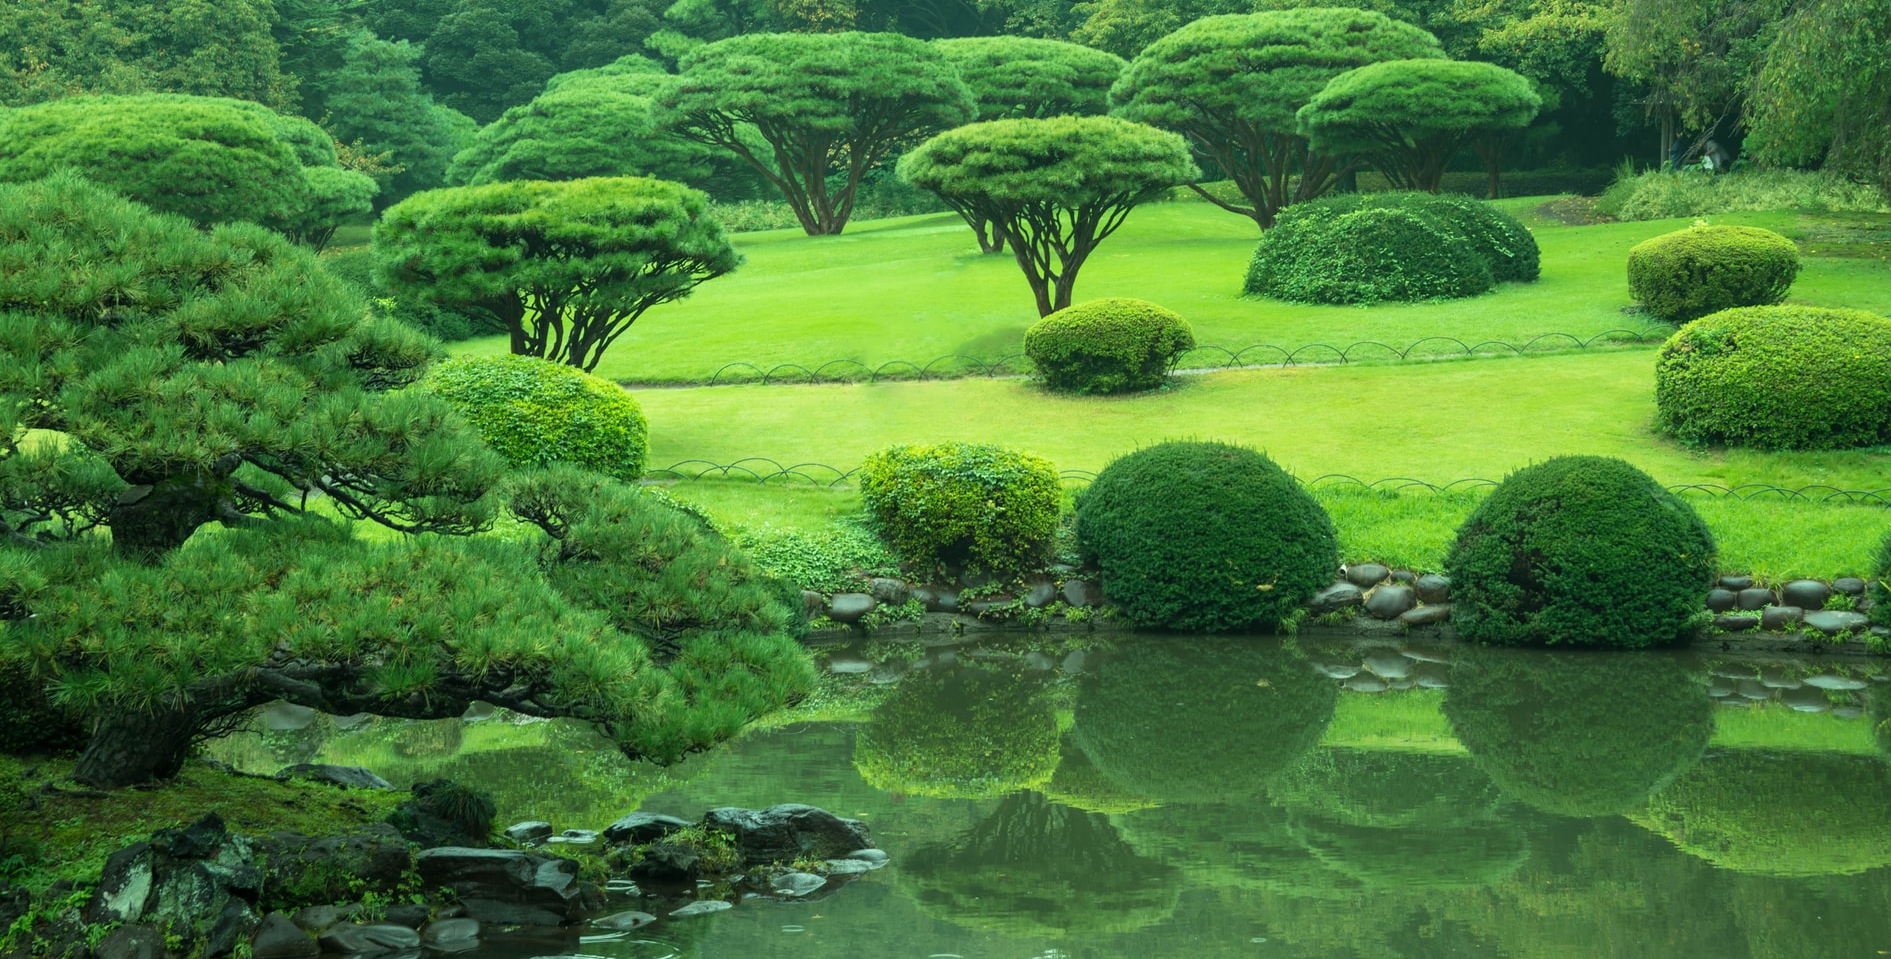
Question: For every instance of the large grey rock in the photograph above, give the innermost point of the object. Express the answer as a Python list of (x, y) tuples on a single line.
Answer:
[(198, 881), (1736, 622), (375, 858), (1779, 618), (1753, 598), (888, 591), (351, 939), (317, 918), (1806, 699), (1433, 588), (1426, 615), (280, 938), (850, 607), (139, 940), (1390, 602), (1735, 583), (509, 887), (877, 857), (847, 867), (445, 932), (1040, 595), (670, 860), (702, 908), (1721, 600), (1366, 575), (1849, 585), (938, 599), (413, 915), (444, 813), (642, 827), (1082, 592), (787, 832), (350, 777), (1336, 670), (1835, 622), (529, 833), (1334, 598), (1806, 594), (1776, 677)]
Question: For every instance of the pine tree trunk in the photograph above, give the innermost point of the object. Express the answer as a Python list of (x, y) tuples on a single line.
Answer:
[(132, 746)]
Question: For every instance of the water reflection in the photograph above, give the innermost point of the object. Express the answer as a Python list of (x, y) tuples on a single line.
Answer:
[(1778, 813), (970, 731)]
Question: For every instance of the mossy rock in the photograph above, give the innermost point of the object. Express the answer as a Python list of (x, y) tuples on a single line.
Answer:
[(1777, 813), (962, 733), (1193, 720), (1575, 734)]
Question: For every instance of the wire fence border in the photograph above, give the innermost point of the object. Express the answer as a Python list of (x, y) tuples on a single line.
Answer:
[(764, 470), (1311, 354)]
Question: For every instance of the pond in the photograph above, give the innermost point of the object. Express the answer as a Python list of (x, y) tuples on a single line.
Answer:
[(1169, 796)]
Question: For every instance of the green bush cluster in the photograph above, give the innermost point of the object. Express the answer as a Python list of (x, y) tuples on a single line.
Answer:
[(1655, 195), (1690, 273), (1366, 248), (1778, 377), (969, 505), (1580, 550), (535, 412), (1779, 813), (1111, 345), (1205, 536), (957, 734)]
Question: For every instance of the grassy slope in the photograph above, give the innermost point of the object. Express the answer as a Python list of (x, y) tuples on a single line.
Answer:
[(916, 288)]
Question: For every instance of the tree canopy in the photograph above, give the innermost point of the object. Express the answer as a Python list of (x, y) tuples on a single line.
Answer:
[(1232, 84), (1012, 77), (1055, 189), (1823, 92), (58, 48), (587, 123), (375, 102), (830, 106), (1412, 116), (567, 266)]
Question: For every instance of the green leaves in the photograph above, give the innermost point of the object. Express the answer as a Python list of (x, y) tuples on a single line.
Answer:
[(1413, 116), (1108, 346), (1012, 77), (535, 413), (973, 505)]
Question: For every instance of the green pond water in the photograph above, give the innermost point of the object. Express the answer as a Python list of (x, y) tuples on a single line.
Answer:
[(1174, 797)]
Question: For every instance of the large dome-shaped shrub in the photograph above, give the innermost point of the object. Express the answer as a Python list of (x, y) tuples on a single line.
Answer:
[(1582, 550), (1108, 346), (1780, 813), (1576, 733), (1690, 273), (1778, 377), (964, 733), (1352, 248), (1192, 720), (535, 412), (964, 504), (1205, 536)]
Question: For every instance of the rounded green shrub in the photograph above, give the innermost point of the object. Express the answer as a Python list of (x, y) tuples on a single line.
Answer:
[(1575, 733), (535, 412), (1690, 273), (964, 504), (1580, 550), (1108, 346), (1778, 377), (1500, 239), (967, 733), (1192, 720), (1779, 813), (1205, 536)]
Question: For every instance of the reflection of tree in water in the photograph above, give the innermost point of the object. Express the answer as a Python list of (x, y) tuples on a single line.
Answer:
[(967, 732), (1878, 713), (1401, 819), (1036, 868), (1580, 734), (1777, 813), (1191, 720), (1077, 783)]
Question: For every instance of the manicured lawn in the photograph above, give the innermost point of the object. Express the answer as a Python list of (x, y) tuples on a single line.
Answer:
[(916, 288)]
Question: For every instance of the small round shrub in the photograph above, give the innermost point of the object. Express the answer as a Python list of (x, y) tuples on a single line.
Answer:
[(1582, 550), (1778, 377), (1776, 813), (1690, 273), (535, 412), (964, 504), (960, 734), (1205, 536), (1321, 255), (1499, 238), (1108, 346)]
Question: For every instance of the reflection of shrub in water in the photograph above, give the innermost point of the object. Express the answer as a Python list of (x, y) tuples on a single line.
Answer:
[(1078, 784), (960, 733), (1575, 734), (1190, 720), (1778, 813), (1470, 854), (415, 740), (1878, 713), (1034, 868)]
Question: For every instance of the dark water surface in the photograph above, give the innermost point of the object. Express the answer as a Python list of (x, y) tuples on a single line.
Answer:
[(1172, 797)]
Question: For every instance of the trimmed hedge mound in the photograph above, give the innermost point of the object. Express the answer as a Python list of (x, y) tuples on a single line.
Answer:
[(1108, 346), (1778, 377), (960, 734), (1205, 537), (1584, 550), (1365, 248), (535, 412), (1779, 813), (971, 504), (1690, 273)]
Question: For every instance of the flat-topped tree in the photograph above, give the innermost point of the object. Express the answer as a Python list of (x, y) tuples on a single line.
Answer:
[(1017, 77), (1410, 117), (566, 266), (186, 413), (1232, 83), (1055, 188), (831, 106)]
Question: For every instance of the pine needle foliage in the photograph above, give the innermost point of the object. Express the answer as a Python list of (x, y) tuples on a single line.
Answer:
[(1410, 117)]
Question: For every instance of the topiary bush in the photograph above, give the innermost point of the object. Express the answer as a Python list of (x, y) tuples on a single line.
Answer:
[(968, 733), (1368, 247), (1690, 273), (535, 412), (1778, 377), (964, 504), (1112, 345), (1584, 550), (1205, 536), (1777, 813)]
